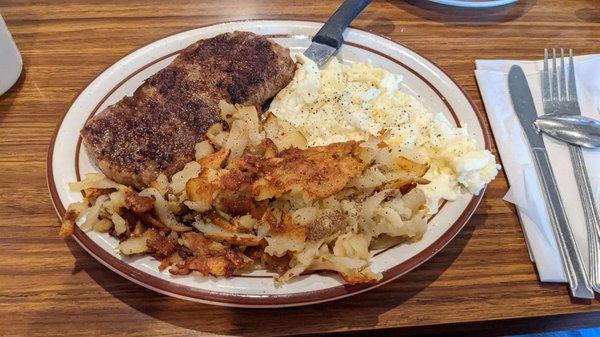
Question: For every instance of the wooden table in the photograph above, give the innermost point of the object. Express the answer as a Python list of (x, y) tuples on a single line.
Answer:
[(481, 282)]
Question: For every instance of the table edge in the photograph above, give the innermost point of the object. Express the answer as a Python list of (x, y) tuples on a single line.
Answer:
[(492, 327)]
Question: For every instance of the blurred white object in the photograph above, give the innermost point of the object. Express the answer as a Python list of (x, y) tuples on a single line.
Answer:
[(474, 3), (10, 59)]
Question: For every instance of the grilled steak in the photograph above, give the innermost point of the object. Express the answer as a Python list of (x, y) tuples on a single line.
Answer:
[(155, 130)]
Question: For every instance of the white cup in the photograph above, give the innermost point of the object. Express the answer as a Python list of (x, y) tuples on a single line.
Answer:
[(10, 59)]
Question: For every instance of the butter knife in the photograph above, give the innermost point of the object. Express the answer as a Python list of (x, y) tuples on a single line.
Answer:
[(330, 37), (567, 246)]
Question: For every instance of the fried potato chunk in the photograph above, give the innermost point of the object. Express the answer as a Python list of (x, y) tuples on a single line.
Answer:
[(67, 226), (138, 244), (202, 189), (214, 160)]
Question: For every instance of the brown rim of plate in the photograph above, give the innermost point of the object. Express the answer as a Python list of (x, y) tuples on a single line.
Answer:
[(250, 300)]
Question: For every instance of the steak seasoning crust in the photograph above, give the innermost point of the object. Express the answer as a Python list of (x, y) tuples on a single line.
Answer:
[(155, 130)]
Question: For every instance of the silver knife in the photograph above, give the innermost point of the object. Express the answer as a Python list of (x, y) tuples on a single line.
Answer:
[(329, 38), (567, 246)]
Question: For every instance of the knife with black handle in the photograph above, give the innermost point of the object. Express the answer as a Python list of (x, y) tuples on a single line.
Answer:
[(567, 246), (330, 37)]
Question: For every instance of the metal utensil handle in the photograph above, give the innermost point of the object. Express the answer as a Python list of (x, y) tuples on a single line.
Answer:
[(567, 246), (331, 32), (592, 219)]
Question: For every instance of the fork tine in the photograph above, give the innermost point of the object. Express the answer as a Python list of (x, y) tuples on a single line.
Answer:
[(572, 86), (562, 79), (554, 83), (546, 93)]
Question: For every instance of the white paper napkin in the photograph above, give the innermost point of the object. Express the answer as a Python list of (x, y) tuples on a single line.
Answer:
[(525, 191)]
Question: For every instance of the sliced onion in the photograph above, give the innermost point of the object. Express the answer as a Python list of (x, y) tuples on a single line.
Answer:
[(93, 213), (120, 223), (372, 203), (217, 233), (249, 115), (93, 180), (414, 199), (227, 110), (161, 184), (179, 179), (203, 149), (238, 139), (102, 226), (161, 207)]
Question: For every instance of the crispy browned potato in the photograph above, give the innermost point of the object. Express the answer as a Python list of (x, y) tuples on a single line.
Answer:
[(209, 257), (201, 189), (359, 278), (138, 203), (173, 259), (269, 147), (278, 264), (223, 223), (214, 160), (319, 172), (67, 226), (161, 246), (151, 221), (281, 224)]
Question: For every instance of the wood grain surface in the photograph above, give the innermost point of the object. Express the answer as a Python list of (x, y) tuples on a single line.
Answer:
[(482, 282)]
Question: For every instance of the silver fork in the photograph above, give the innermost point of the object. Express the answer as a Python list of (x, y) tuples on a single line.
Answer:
[(560, 96)]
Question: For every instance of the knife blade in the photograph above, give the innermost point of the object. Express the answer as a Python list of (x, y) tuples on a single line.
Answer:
[(330, 37), (567, 246)]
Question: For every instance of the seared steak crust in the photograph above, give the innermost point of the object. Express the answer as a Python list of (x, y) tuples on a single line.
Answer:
[(156, 128)]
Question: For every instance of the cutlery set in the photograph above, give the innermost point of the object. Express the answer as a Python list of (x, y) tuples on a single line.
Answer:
[(562, 120)]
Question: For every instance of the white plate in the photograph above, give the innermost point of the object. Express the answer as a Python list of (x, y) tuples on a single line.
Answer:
[(438, 92), (474, 3)]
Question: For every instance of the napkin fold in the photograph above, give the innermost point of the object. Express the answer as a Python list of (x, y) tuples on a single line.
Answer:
[(525, 191)]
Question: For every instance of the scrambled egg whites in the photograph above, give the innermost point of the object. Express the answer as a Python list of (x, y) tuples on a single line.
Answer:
[(342, 102)]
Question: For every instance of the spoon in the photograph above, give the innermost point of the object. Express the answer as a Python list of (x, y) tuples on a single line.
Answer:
[(573, 129)]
